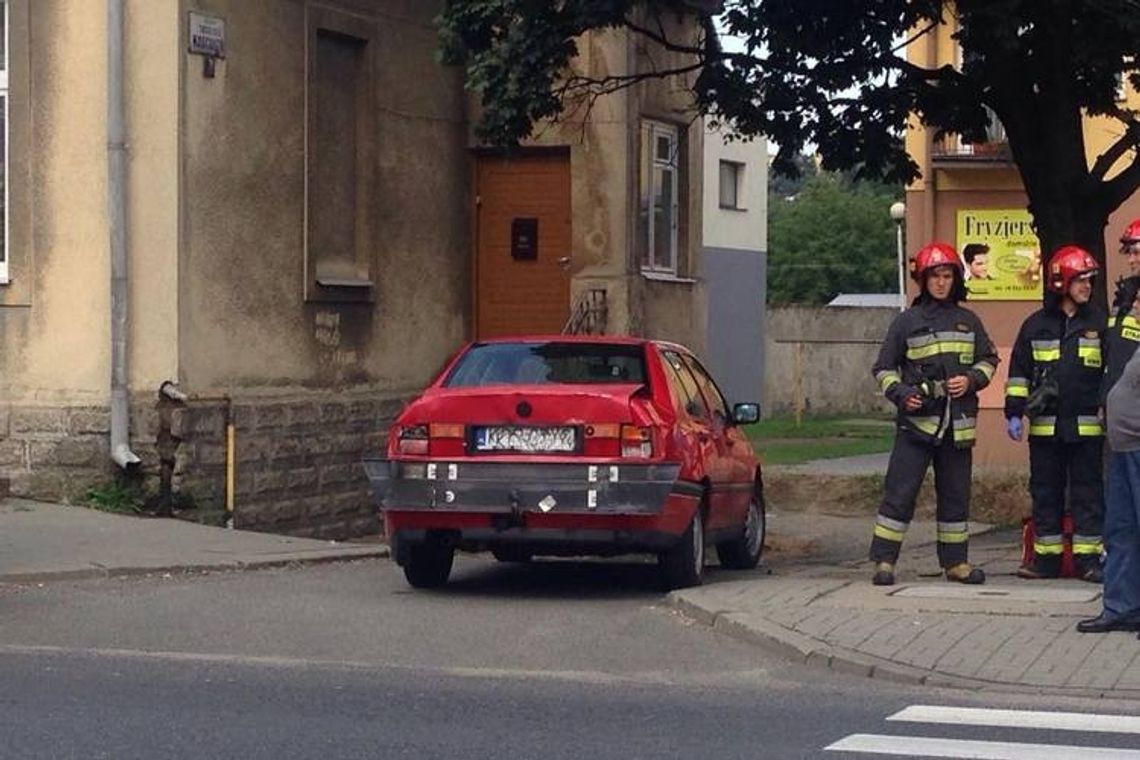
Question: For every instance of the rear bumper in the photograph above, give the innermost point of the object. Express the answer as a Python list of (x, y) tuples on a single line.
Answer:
[(516, 487), (544, 508)]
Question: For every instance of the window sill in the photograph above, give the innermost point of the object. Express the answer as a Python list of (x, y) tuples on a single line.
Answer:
[(341, 282), (733, 208), (666, 277)]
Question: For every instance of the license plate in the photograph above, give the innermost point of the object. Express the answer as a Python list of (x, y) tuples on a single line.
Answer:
[(526, 439)]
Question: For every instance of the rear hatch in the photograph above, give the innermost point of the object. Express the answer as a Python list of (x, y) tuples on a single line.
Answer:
[(542, 420)]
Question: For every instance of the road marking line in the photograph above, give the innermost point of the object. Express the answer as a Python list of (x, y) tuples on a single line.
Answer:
[(1056, 721), (919, 746)]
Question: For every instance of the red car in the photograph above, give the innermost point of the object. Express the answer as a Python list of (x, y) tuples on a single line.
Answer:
[(567, 446)]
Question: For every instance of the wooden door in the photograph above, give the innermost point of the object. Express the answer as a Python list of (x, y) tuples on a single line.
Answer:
[(522, 259)]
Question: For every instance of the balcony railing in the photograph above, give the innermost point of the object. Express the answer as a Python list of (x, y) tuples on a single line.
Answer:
[(952, 149), (994, 149)]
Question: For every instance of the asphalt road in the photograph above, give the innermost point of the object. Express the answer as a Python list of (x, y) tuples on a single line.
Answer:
[(557, 660)]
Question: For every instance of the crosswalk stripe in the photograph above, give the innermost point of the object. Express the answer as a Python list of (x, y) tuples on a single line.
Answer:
[(1057, 721), (919, 746)]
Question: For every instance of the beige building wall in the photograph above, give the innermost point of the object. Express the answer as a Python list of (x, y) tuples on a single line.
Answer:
[(246, 320), (220, 213), (605, 153), (55, 311)]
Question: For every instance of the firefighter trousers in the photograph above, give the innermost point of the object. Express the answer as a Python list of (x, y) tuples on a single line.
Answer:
[(1053, 464), (909, 461)]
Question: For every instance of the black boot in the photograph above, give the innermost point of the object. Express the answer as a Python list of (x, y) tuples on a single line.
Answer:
[(884, 574), (1042, 566), (1088, 569), (966, 573)]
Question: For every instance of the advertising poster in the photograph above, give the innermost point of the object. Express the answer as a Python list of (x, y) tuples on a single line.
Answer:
[(1001, 253)]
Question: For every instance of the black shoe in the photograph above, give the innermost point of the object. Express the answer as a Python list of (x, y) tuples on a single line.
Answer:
[(1104, 623)]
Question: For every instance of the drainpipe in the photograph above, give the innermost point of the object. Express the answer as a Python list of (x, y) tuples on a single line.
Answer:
[(116, 205)]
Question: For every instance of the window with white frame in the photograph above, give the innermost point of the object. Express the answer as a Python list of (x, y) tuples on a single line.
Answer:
[(731, 184), (4, 25), (659, 205)]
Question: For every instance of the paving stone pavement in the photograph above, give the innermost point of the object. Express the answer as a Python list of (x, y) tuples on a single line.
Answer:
[(1008, 635)]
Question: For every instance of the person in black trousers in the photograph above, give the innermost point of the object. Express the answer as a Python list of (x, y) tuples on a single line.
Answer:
[(934, 360), (1055, 380)]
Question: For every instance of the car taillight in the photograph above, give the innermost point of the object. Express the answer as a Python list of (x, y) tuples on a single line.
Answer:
[(413, 439), (447, 439), (636, 441)]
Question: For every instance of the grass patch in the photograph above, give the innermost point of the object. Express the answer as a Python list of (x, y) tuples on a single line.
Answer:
[(798, 452), (998, 497), (117, 497), (781, 440)]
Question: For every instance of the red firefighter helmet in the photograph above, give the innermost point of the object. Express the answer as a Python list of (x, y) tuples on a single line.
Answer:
[(1066, 264), (1131, 234), (934, 255)]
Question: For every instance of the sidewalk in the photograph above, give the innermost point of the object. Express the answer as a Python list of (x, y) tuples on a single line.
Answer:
[(1008, 635), (40, 542)]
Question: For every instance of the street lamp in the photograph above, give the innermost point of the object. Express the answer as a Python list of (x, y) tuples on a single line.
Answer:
[(898, 216)]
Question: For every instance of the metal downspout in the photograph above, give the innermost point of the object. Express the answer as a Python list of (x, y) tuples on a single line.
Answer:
[(116, 205)]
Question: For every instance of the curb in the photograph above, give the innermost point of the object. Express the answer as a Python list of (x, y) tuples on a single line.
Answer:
[(224, 566), (796, 647)]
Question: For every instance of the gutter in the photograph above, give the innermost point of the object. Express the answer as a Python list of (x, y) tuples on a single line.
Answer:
[(121, 452)]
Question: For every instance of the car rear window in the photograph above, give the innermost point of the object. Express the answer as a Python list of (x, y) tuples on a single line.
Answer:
[(547, 363)]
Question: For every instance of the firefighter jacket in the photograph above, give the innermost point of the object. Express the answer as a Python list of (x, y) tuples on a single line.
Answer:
[(925, 346), (1122, 336), (1055, 374)]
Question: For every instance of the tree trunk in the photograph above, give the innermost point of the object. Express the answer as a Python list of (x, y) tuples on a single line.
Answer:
[(1071, 221)]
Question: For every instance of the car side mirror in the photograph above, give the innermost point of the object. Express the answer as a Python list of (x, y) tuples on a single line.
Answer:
[(745, 414)]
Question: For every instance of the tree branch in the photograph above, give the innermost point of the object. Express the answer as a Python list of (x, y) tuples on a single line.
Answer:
[(1120, 188), (1129, 140), (579, 85)]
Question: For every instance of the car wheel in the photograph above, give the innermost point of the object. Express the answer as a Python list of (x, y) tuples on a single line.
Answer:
[(684, 564), (429, 564), (743, 553), (511, 554)]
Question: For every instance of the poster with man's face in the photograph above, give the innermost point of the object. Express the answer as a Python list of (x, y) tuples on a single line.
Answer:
[(1001, 253)]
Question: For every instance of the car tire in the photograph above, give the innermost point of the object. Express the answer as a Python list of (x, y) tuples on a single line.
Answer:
[(511, 554), (429, 564), (743, 552), (683, 565)]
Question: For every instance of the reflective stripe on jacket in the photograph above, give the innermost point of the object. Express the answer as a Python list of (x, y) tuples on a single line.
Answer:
[(1067, 353), (925, 346)]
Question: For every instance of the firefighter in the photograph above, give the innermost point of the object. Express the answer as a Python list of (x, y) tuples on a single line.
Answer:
[(1054, 379), (1123, 334), (934, 360)]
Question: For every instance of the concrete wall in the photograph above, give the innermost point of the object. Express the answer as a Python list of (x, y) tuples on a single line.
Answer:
[(246, 320), (216, 236), (734, 267), (669, 307), (818, 359), (54, 314)]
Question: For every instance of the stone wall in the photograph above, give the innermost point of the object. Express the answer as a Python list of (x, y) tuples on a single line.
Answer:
[(297, 459), (817, 360), (53, 452)]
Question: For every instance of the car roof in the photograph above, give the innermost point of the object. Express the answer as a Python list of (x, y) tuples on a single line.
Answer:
[(615, 340)]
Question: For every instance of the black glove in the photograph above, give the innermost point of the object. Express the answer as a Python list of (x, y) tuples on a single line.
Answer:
[(1126, 289), (1041, 398)]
